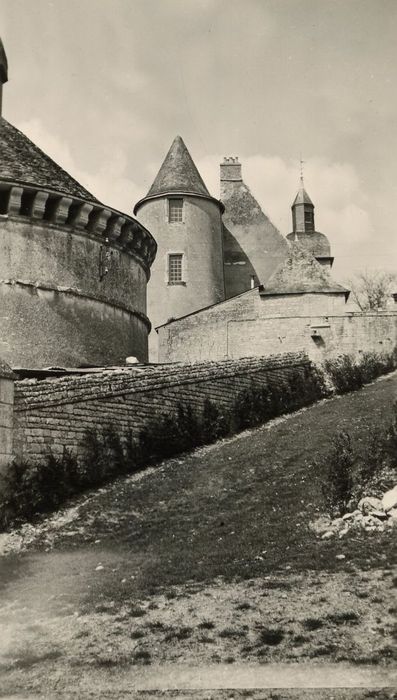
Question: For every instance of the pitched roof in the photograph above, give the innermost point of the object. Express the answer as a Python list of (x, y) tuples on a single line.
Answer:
[(3, 64), (300, 273), (178, 173), (22, 162), (302, 198)]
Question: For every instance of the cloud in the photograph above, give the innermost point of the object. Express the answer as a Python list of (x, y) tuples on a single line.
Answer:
[(110, 183)]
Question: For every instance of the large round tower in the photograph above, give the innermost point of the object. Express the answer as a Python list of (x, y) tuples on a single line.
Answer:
[(73, 272), (186, 222)]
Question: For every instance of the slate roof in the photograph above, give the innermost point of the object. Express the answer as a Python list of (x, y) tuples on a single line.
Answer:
[(300, 273), (302, 198), (178, 173), (22, 162), (313, 241)]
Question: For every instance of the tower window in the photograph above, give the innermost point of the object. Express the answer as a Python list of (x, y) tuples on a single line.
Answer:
[(175, 207), (309, 217), (175, 268)]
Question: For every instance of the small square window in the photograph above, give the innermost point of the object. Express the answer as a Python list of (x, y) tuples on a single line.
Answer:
[(309, 217), (175, 268), (175, 207)]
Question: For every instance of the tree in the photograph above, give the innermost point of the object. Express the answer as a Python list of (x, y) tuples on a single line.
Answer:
[(372, 289)]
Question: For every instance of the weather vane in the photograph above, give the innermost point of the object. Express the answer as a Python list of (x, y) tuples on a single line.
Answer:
[(302, 162)]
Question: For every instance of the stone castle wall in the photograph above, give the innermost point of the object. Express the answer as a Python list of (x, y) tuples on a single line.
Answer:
[(250, 325), (54, 413), (73, 279)]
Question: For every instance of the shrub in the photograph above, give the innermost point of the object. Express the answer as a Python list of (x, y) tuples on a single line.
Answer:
[(29, 489), (347, 374), (373, 455), (215, 424), (339, 465)]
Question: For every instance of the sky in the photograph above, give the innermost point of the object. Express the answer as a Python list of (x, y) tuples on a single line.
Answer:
[(103, 87)]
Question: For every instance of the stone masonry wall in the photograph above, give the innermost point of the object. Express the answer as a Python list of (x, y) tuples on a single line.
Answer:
[(54, 413), (250, 325)]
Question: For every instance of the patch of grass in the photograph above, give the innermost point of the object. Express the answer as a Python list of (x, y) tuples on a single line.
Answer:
[(137, 612), (343, 616), (278, 584), (271, 636), (137, 634), (143, 656), (179, 634), (300, 639), (230, 632), (206, 625), (244, 606), (312, 623), (322, 650), (28, 658), (205, 639)]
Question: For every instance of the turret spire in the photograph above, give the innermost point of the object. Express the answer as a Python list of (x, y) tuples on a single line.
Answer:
[(3, 71), (302, 209)]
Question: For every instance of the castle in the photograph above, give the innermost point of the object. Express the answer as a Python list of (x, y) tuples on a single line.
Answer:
[(82, 284), (212, 251), (219, 278)]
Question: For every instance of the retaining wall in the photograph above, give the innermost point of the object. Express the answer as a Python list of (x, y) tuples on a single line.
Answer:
[(54, 413)]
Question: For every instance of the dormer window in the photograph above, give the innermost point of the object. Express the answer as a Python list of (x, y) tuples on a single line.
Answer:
[(175, 210)]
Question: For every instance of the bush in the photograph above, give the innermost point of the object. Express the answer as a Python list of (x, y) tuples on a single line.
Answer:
[(347, 374), (30, 489), (339, 466)]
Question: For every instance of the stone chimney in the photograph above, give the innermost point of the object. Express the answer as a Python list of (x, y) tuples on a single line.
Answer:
[(3, 72), (230, 174)]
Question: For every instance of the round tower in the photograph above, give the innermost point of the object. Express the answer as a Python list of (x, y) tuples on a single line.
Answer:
[(3, 71), (73, 272), (186, 222), (304, 230)]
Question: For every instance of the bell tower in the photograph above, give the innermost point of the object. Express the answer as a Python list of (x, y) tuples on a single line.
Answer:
[(304, 230), (302, 212), (3, 72)]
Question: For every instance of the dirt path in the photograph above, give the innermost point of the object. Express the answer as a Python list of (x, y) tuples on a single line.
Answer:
[(205, 565)]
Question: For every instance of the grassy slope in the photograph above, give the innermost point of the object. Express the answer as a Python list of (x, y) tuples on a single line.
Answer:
[(215, 511), (220, 535)]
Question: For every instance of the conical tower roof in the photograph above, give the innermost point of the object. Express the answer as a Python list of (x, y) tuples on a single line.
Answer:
[(178, 173), (22, 162)]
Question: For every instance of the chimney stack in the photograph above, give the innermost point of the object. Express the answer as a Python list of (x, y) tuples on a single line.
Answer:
[(230, 175)]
